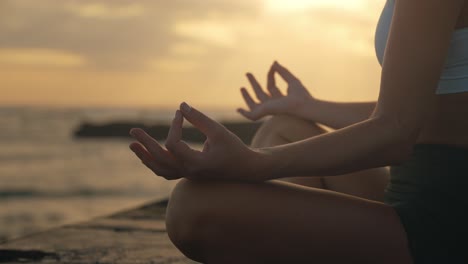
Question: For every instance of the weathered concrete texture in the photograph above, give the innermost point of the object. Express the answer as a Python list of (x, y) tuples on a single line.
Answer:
[(135, 236)]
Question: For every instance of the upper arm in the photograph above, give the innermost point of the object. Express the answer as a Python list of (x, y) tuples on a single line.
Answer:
[(416, 50)]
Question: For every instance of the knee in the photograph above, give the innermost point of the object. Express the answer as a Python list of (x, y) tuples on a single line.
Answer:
[(187, 219), (290, 128), (280, 122)]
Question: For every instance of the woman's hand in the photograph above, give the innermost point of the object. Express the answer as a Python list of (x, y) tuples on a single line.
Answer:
[(224, 155), (274, 102)]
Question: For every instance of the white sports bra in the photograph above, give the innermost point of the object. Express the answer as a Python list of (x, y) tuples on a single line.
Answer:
[(454, 78)]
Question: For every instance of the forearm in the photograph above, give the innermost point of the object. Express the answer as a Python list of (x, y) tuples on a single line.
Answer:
[(369, 144), (335, 114)]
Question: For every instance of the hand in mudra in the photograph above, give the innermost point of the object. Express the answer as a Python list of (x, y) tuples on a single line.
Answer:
[(273, 102), (224, 155)]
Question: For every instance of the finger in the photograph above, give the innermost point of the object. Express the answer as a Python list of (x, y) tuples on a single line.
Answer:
[(174, 142), (152, 146), (261, 95), (271, 83), (284, 73), (255, 114), (270, 107), (248, 99), (175, 131), (167, 174), (247, 114), (140, 151), (151, 163), (206, 125)]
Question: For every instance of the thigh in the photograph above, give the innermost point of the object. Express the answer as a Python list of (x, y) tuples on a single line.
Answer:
[(368, 184), (278, 222)]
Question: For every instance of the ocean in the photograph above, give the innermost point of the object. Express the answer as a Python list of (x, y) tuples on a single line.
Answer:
[(49, 178)]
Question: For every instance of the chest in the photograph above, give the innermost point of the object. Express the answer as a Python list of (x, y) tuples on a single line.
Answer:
[(383, 27)]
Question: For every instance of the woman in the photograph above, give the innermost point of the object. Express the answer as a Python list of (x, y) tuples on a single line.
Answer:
[(232, 209)]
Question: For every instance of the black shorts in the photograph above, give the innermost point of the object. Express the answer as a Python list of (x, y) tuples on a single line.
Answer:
[(430, 194)]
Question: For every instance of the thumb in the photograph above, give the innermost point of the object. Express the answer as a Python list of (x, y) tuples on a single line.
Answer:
[(253, 115), (206, 125), (271, 107)]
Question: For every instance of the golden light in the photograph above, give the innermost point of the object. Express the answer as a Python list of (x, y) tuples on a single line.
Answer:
[(106, 11), (40, 57), (300, 5)]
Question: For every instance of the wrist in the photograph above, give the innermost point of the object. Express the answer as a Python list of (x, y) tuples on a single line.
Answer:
[(304, 108), (267, 166)]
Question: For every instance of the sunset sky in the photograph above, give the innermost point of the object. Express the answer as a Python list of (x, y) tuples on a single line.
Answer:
[(161, 52)]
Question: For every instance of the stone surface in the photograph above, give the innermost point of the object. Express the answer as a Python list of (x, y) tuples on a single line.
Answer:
[(135, 236)]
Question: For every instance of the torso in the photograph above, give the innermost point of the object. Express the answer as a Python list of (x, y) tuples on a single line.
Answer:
[(449, 122)]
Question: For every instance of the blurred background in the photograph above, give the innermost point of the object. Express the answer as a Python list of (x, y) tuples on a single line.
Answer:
[(64, 64)]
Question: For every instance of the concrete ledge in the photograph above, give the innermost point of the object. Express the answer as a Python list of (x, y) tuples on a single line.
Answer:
[(134, 236)]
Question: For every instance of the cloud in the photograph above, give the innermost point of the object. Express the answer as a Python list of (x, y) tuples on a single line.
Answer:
[(352, 29), (298, 6), (117, 34), (40, 57), (156, 52), (174, 64), (106, 10), (206, 31), (127, 35)]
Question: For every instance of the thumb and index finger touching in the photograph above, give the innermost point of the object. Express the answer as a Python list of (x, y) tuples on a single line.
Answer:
[(257, 111), (174, 142), (206, 125), (283, 72)]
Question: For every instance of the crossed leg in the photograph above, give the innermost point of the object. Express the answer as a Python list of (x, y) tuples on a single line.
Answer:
[(283, 222), (283, 129), (280, 222)]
